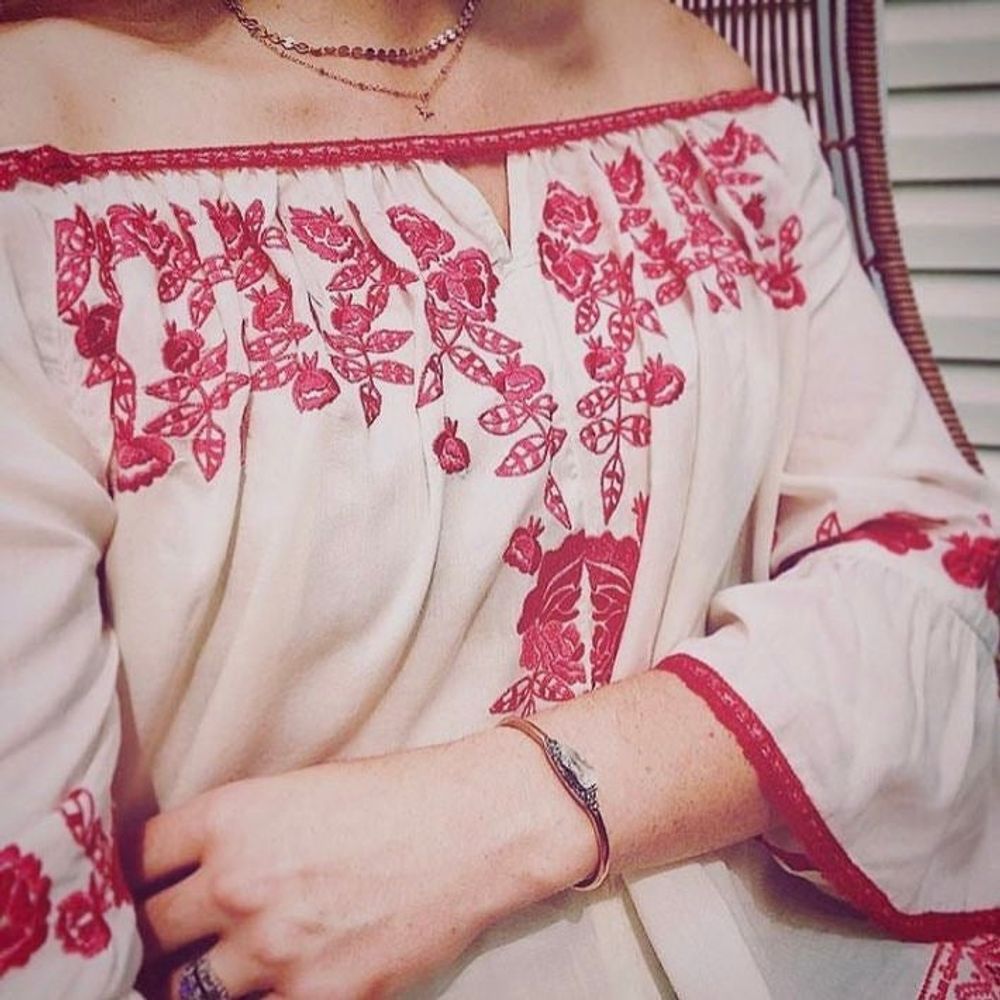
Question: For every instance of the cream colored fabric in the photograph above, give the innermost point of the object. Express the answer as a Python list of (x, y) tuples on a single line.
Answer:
[(232, 464)]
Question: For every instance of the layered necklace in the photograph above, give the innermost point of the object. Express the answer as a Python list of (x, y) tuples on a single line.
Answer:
[(447, 43)]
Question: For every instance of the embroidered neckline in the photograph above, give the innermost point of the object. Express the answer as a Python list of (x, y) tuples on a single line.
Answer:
[(52, 166)]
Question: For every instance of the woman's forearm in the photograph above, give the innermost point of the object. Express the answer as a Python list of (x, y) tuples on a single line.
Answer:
[(672, 780)]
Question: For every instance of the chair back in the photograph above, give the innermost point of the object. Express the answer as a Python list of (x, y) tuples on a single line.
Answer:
[(824, 54)]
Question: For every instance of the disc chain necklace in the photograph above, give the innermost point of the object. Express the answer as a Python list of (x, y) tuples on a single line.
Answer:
[(293, 51)]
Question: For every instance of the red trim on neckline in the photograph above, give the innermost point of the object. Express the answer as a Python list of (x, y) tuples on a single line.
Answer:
[(49, 165), (783, 789)]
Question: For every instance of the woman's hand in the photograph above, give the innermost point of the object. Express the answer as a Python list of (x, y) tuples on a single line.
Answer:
[(353, 879)]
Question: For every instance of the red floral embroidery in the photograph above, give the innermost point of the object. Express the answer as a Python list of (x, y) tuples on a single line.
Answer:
[(523, 551), (975, 563), (81, 926), (452, 452), (964, 970), (552, 649), (606, 292), (461, 289), (24, 907)]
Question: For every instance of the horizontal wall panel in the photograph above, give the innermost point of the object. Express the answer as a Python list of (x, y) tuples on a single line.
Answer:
[(961, 313), (950, 226), (945, 135), (942, 44), (973, 389)]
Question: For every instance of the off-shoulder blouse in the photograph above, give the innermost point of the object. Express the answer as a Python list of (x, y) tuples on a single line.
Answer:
[(303, 457)]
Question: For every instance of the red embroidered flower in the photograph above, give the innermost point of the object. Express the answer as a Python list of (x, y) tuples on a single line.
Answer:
[(571, 270), (753, 210), (140, 460), (24, 907), (626, 178), (272, 310), (570, 214), (679, 167), (81, 926), (517, 382), (97, 332), (603, 363), (326, 234), (972, 562), (554, 647), (730, 149), (425, 238), (664, 383), (350, 318), (466, 282), (452, 452), (898, 531), (778, 280), (523, 551), (313, 387), (182, 348)]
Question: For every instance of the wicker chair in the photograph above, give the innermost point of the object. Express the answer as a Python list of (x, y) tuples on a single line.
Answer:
[(824, 54)]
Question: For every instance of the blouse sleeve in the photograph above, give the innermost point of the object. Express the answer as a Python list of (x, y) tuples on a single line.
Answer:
[(66, 923), (859, 675)]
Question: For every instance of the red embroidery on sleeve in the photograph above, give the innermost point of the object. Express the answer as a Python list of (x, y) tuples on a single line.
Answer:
[(964, 970), (80, 926), (24, 907), (975, 563)]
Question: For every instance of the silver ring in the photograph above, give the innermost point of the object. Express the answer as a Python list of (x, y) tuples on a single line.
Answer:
[(199, 982)]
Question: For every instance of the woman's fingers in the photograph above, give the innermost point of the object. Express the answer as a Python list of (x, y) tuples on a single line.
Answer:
[(179, 915), (229, 966), (172, 841)]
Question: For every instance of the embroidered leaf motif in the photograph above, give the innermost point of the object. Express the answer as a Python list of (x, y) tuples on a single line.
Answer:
[(209, 447), (223, 392), (431, 384), (829, 528), (175, 389), (471, 365), (636, 429), (274, 238), (178, 421), (393, 371), (212, 364), (789, 235), (254, 216), (387, 341), (267, 347), (550, 687), (377, 298), (633, 218), (612, 484), (504, 418), (251, 270), (588, 313), (645, 317), (515, 698), (544, 406), (371, 401), (101, 370), (557, 437), (727, 285), (348, 278), (171, 284), (492, 340), (669, 291), (554, 502), (349, 368), (525, 456), (72, 275), (621, 327), (599, 435), (271, 375), (201, 302)]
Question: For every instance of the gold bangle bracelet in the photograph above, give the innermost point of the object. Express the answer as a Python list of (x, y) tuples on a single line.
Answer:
[(579, 779)]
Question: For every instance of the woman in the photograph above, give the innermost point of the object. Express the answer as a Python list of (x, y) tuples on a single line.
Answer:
[(347, 450)]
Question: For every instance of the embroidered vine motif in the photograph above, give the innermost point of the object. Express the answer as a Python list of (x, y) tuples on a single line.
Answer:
[(358, 349), (694, 173), (601, 286), (552, 647), (80, 925), (460, 307), (964, 970), (24, 907)]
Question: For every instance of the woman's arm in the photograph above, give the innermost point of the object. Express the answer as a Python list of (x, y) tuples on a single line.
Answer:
[(352, 878)]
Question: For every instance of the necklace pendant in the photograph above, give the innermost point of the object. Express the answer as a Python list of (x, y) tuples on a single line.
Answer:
[(424, 111)]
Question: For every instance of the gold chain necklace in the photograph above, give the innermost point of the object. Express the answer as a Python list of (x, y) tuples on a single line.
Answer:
[(421, 97), (402, 56)]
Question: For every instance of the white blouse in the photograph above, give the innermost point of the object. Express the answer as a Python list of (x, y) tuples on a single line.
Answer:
[(302, 458)]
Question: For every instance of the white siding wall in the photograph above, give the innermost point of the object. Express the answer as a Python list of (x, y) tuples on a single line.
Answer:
[(942, 63)]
